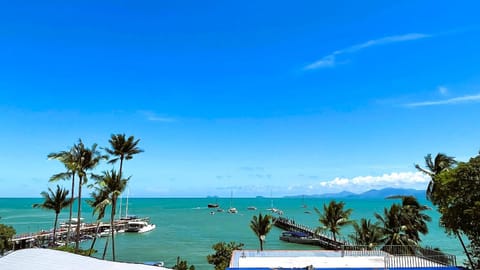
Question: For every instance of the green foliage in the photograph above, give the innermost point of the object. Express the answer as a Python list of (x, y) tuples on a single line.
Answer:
[(6, 234), (401, 224), (334, 217), (457, 198), (367, 233), (261, 226), (56, 201), (182, 265), (223, 253)]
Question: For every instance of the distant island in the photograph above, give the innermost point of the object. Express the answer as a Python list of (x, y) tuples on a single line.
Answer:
[(370, 194)]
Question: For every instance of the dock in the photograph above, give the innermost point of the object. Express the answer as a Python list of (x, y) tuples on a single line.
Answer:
[(43, 238), (322, 240)]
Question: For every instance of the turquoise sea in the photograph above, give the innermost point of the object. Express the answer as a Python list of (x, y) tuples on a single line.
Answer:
[(186, 227)]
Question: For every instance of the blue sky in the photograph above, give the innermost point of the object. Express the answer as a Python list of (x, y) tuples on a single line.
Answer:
[(255, 98)]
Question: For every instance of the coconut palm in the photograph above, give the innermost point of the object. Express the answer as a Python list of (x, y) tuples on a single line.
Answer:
[(393, 229), (441, 163), (86, 159), (99, 204), (261, 226), (56, 201), (68, 158), (367, 233), (413, 217), (112, 185), (122, 149), (334, 217)]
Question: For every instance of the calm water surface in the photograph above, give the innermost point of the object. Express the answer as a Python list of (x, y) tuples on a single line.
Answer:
[(186, 228)]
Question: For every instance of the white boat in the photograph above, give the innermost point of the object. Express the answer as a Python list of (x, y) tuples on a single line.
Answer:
[(252, 208), (139, 226), (232, 210)]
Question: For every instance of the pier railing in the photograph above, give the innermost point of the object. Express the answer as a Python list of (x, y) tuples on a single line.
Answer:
[(403, 256)]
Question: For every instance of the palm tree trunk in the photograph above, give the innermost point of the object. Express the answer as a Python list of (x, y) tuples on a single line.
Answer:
[(77, 237), (261, 245), (121, 167), (105, 248), (55, 227), (67, 241), (464, 248), (112, 225), (94, 239)]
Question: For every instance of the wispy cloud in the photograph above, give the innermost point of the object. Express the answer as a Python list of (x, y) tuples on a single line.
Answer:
[(455, 100), (151, 116), (330, 60)]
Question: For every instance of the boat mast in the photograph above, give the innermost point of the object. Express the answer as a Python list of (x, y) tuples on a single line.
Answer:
[(126, 206)]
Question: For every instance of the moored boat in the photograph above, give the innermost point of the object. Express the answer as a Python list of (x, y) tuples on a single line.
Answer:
[(139, 226), (299, 238), (213, 205)]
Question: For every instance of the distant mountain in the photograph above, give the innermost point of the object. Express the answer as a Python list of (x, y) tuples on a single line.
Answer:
[(371, 194), (386, 192)]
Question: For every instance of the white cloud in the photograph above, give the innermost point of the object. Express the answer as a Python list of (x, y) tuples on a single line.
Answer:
[(330, 60), (456, 100), (364, 183)]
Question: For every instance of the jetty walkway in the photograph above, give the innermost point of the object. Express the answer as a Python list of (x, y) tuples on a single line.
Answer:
[(324, 241), (44, 238)]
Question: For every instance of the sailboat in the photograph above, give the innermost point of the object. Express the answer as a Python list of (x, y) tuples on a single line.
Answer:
[(273, 209), (232, 210)]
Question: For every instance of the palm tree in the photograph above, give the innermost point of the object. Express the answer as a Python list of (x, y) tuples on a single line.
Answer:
[(441, 163), (112, 185), (99, 203), (122, 149), (367, 233), (56, 201), (334, 217), (413, 217), (68, 158), (403, 223), (86, 160), (261, 226), (393, 229)]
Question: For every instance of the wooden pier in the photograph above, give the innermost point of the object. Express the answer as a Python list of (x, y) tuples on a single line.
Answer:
[(323, 240), (45, 238)]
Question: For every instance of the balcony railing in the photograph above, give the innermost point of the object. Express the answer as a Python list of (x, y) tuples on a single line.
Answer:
[(403, 256)]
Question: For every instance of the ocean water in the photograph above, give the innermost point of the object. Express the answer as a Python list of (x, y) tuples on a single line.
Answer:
[(186, 227)]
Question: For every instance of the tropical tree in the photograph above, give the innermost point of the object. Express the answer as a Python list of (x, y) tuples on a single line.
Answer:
[(6, 234), (223, 253), (69, 159), (56, 201), (334, 217), (413, 217), (112, 185), (401, 224), (457, 198), (86, 160), (122, 149), (367, 233), (98, 202), (261, 226), (441, 163)]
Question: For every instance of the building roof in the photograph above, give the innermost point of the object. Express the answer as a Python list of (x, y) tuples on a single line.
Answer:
[(47, 259)]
